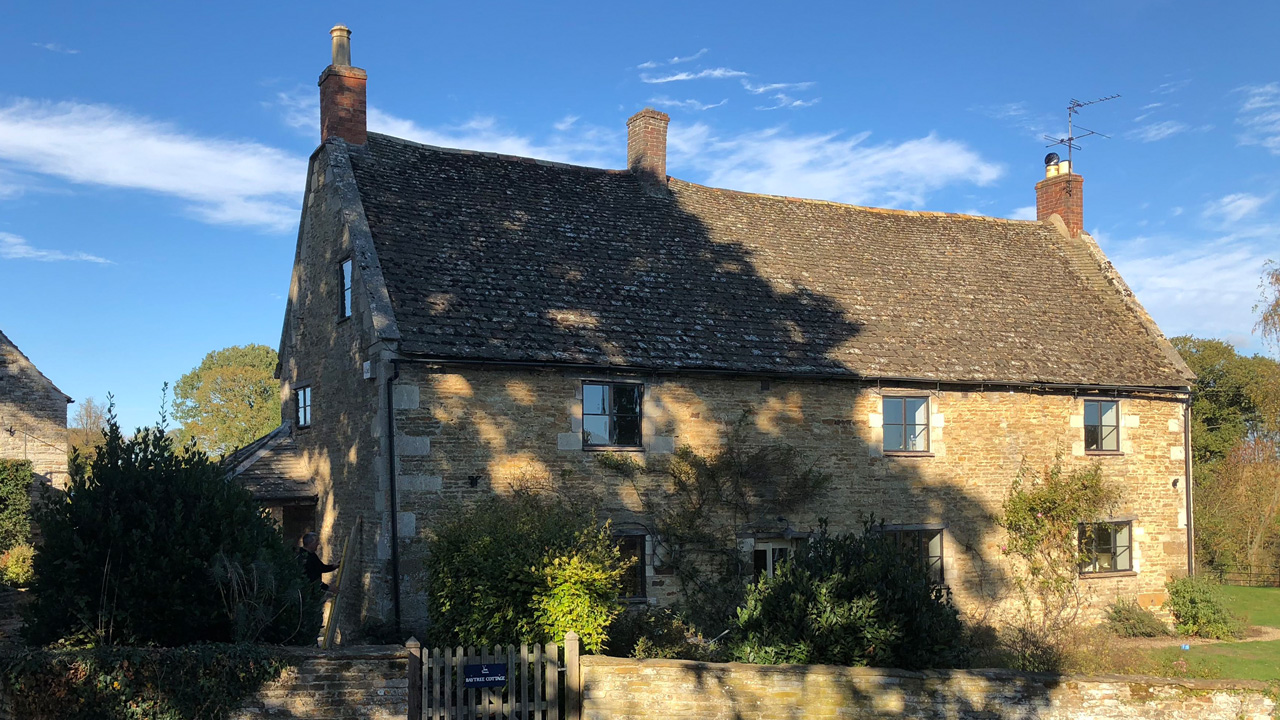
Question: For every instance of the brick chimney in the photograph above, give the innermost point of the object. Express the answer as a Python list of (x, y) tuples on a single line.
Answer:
[(342, 94), (1061, 193), (647, 146)]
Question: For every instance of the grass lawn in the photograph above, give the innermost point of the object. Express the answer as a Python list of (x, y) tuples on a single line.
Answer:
[(1237, 660)]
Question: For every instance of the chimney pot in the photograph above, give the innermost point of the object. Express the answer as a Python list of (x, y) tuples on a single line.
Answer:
[(1061, 193), (342, 94), (647, 146), (341, 35)]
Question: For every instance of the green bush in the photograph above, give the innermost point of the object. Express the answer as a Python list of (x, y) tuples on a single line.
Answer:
[(16, 566), (657, 633), (154, 546), (524, 567), (118, 683), (1126, 618), (15, 502), (1199, 609), (855, 599)]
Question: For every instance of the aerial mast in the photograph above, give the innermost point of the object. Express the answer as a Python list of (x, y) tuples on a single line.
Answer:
[(1073, 108)]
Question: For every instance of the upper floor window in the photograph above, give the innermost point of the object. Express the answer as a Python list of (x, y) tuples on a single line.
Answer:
[(344, 310), (633, 583), (611, 414), (906, 424), (1102, 425), (924, 546), (1106, 547), (302, 400), (769, 555)]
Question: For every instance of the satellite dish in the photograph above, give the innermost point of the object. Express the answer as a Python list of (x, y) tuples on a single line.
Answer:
[(1051, 159)]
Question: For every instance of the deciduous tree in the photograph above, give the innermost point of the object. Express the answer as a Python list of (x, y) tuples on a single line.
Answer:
[(230, 400)]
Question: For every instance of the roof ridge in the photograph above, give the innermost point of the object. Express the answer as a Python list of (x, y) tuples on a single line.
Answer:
[(5, 340), (499, 156)]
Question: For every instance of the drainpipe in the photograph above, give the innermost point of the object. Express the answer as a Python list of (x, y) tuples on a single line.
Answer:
[(1186, 459), (395, 500)]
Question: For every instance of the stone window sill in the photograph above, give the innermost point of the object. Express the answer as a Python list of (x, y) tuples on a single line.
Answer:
[(613, 448), (907, 454), (1104, 453), (1106, 575)]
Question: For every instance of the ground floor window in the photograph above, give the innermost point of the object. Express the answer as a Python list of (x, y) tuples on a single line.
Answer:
[(769, 555), (923, 544), (1106, 547), (633, 583)]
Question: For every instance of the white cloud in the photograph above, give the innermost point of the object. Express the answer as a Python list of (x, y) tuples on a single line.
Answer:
[(1177, 210), (786, 101), (1171, 87), (13, 247), (774, 87), (565, 123), (581, 145), (55, 47), (677, 59), (1017, 114), (222, 181), (1027, 212), (1158, 131), (1235, 207), (713, 73), (1260, 116), (664, 101), (827, 166), (1206, 290)]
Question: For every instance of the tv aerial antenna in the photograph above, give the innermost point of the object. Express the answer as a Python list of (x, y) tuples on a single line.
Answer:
[(1073, 108)]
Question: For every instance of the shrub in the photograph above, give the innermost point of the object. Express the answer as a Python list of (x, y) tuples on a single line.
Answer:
[(15, 502), (658, 633), (16, 566), (154, 546), (1127, 618), (525, 567), (116, 683), (850, 600), (1199, 609)]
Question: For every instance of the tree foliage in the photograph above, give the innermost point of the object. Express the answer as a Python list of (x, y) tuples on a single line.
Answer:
[(1199, 609), (1234, 396), (230, 400), (1238, 509), (857, 599), (142, 549), (15, 502), (1268, 307), (87, 426), (524, 567)]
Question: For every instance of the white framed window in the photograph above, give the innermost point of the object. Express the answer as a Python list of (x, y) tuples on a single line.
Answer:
[(924, 545), (905, 424), (768, 555), (1102, 426), (302, 403), (344, 277), (1106, 547), (634, 584)]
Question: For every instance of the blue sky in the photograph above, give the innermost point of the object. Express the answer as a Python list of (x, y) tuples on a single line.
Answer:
[(152, 155)]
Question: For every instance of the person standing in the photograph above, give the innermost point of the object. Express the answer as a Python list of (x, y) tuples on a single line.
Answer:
[(312, 565)]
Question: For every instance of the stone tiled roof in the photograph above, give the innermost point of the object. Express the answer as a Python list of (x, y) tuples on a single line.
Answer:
[(271, 468), (497, 258), (11, 355)]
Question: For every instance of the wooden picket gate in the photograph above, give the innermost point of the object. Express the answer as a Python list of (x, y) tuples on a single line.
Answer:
[(537, 685)]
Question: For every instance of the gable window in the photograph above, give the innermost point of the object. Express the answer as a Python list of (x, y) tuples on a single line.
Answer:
[(633, 583), (611, 414), (302, 401), (769, 555), (1102, 426), (1106, 547), (344, 276), (906, 424), (924, 545)]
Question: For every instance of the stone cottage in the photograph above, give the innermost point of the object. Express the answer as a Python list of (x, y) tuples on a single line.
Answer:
[(33, 417), (459, 322)]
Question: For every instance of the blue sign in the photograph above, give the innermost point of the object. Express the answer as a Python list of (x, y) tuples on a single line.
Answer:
[(491, 675)]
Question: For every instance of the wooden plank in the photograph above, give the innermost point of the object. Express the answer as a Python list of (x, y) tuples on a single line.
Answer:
[(509, 697), (434, 701), (572, 677), (458, 655), (553, 681), (330, 629), (522, 688), (469, 659), (536, 677)]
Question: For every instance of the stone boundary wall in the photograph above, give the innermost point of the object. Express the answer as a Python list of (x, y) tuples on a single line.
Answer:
[(361, 682), (626, 689)]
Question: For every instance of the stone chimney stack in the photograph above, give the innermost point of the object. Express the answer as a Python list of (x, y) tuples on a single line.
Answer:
[(647, 146), (342, 94), (1061, 193)]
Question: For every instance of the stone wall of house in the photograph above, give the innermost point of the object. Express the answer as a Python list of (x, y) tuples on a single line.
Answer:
[(625, 689), (370, 683), (487, 430), (33, 417), (327, 353)]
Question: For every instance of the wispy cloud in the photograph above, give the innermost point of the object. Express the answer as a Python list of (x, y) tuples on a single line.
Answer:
[(1235, 207), (711, 73), (565, 123), (1018, 115), (673, 61), (1260, 116), (221, 181), (774, 87), (1155, 132), (664, 101), (55, 47), (1171, 87), (14, 247), (782, 100), (829, 166)]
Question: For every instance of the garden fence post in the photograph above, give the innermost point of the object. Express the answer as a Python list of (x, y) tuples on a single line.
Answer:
[(415, 678), (572, 677)]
